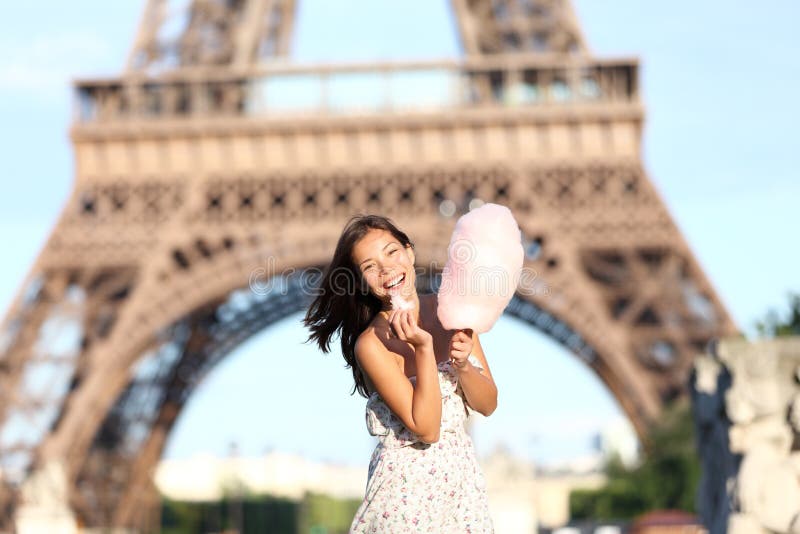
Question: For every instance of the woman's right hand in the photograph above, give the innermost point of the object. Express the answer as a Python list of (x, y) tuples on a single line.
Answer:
[(407, 329)]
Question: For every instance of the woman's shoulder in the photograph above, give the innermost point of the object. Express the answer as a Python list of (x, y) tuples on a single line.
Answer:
[(374, 328), (376, 338), (366, 338), (372, 335), (372, 352)]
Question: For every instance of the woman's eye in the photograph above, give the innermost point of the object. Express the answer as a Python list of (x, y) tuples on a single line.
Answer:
[(392, 251), (368, 267)]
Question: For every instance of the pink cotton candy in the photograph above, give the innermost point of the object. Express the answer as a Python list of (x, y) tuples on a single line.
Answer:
[(484, 262)]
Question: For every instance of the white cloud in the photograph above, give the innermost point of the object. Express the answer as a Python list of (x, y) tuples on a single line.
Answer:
[(45, 65)]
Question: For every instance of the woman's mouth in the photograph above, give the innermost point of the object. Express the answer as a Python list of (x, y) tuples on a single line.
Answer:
[(395, 283)]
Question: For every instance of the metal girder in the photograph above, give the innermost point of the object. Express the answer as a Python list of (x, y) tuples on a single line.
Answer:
[(507, 26), (210, 33)]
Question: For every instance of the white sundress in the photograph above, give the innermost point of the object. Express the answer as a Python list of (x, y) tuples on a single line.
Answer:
[(414, 486)]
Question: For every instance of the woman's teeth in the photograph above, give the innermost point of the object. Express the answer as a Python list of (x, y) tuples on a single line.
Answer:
[(397, 281)]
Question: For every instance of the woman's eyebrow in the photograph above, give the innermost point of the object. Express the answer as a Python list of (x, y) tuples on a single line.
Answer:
[(384, 248)]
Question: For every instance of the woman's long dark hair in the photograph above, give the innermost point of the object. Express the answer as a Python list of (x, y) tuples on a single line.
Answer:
[(344, 303)]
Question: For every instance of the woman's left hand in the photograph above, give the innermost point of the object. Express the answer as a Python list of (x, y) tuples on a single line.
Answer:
[(461, 347)]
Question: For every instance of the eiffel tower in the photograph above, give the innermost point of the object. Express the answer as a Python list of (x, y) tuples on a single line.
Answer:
[(213, 177)]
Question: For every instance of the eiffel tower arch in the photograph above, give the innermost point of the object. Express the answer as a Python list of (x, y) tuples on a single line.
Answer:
[(213, 177)]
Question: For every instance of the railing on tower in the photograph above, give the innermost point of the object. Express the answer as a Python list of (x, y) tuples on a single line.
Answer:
[(277, 90)]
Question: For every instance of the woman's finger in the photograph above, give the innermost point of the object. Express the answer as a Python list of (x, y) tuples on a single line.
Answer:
[(405, 324), (402, 321), (409, 321), (397, 325)]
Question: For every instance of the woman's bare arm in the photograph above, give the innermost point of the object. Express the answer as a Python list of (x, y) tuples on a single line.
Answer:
[(420, 408), (478, 386)]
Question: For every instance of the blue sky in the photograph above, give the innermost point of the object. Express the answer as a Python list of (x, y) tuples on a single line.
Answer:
[(720, 81)]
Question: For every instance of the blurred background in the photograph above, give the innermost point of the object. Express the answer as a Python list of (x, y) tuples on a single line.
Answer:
[(272, 433)]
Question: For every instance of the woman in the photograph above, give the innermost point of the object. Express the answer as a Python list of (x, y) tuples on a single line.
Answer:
[(421, 382)]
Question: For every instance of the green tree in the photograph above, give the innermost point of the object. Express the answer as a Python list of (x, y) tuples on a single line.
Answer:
[(323, 514), (256, 514), (775, 325), (666, 478), (178, 517)]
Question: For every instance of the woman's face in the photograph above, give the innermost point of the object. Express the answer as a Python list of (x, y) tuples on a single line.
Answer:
[(386, 265)]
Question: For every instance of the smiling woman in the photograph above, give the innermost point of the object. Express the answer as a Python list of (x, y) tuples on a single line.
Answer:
[(421, 382), (393, 282)]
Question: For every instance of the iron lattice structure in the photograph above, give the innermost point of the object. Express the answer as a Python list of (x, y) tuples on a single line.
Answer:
[(209, 168)]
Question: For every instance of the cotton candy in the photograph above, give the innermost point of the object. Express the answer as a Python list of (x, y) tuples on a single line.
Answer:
[(399, 303), (484, 262)]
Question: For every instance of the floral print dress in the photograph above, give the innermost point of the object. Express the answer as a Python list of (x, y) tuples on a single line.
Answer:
[(414, 486)]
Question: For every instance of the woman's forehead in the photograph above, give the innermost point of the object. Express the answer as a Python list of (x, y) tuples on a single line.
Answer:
[(373, 241)]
